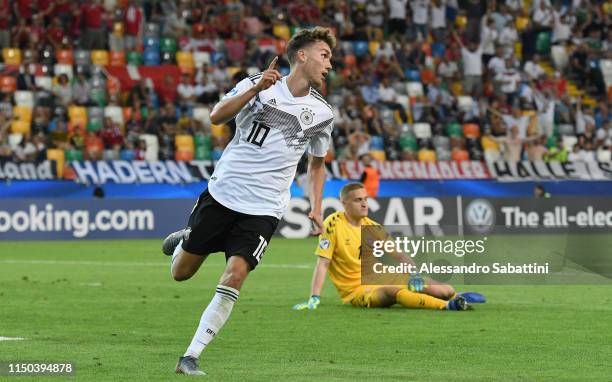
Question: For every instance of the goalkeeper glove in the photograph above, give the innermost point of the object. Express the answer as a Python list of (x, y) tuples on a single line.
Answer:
[(416, 283), (312, 303)]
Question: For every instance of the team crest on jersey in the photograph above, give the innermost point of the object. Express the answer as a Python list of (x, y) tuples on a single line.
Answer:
[(324, 244), (307, 116)]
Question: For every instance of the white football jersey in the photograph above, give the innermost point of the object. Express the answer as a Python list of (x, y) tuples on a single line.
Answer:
[(273, 130)]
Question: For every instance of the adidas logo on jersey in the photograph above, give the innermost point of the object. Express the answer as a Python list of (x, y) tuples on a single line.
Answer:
[(272, 102)]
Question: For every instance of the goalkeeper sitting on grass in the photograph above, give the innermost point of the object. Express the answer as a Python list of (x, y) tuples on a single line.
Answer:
[(338, 252)]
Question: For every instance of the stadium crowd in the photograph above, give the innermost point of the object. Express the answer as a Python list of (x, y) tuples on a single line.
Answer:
[(412, 80)]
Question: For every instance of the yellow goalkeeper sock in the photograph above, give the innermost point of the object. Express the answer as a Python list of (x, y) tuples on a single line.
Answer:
[(410, 299)]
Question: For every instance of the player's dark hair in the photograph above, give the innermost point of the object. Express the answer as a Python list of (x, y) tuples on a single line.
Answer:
[(348, 188), (306, 37)]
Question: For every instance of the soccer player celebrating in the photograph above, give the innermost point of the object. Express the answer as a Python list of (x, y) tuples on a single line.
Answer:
[(339, 253), (277, 119)]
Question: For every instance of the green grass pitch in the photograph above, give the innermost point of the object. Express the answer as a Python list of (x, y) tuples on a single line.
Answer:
[(112, 309)]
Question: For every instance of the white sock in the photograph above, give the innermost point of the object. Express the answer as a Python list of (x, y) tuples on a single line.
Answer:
[(213, 318)]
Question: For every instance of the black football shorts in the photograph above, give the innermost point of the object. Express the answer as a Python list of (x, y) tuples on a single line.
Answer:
[(213, 228)]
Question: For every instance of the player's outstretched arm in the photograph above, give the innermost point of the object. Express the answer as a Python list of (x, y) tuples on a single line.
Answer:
[(318, 278), (316, 180), (230, 107)]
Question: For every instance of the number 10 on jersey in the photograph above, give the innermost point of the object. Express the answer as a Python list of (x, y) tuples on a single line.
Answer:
[(258, 134)]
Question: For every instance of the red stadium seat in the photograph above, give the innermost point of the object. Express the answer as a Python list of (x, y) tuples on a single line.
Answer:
[(8, 84), (183, 155), (64, 56), (460, 155), (471, 130), (117, 58)]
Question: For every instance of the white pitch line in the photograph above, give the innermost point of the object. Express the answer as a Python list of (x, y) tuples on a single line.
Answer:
[(132, 263), (12, 338)]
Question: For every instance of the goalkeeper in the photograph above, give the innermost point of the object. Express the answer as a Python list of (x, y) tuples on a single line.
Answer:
[(338, 253)]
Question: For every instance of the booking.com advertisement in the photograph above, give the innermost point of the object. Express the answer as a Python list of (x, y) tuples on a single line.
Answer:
[(48, 219)]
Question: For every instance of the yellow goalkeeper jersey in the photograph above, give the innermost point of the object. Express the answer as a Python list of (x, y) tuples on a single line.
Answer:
[(340, 242)]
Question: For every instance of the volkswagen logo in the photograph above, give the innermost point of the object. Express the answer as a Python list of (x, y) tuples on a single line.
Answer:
[(480, 215)]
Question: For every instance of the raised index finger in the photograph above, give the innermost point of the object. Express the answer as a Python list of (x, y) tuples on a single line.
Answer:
[(273, 63)]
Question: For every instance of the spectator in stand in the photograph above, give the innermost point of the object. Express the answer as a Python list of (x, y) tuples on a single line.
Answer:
[(474, 11), (81, 89), (536, 149), (388, 98), (94, 17), (62, 90), (472, 67), (26, 80), (5, 24), (448, 69), (438, 20), (185, 91), (397, 16), (370, 177), (206, 91), (134, 25), (112, 139)]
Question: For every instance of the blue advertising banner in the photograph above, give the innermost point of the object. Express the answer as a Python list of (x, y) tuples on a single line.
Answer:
[(65, 219)]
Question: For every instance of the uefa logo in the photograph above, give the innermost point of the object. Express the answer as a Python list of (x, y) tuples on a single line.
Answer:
[(480, 215)]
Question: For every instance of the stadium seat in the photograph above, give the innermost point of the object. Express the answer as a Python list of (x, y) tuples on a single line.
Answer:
[(461, 21), (377, 143), (168, 58), (134, 58), (543, 43), (373, 47), (100, 57), (427, 155), (408, 142), (24, 98), (441, 141), (184, 60), (21, 127), (8, 84), (443, 154), (281, 31), (115, 113), (460, 155), (438, 50), (66, 69), (168, 45), (94, 125), (22, 113), (427, 76), (454, 130), (152, 58), (73, 155), (360, 48), (422, 130), (127, 155), (151, 29), (216, 56), (488, 143), (202, 153), (57, 155), (11, 56), (117, 58), (184, 142), (414, 89), (471, 130), (350, 60), (118, 28), (201, 58), (521, 23), (218, 131), (64, 56), (82, 57), (152, 43), (413, 75), (44, 82), (182, 155), (518, 50), (378, 155), (77, 114), (569, 141)]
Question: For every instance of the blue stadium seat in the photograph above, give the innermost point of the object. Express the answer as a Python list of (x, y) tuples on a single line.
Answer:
[(151, 43), (360, 48), (151, 57), (377, 143), (216, 56), (413, 75), (216, 154), (437, 50), (127, 155)]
